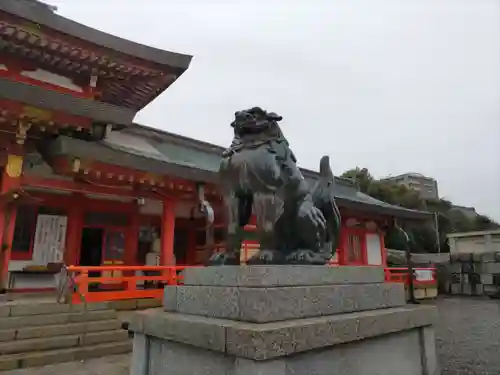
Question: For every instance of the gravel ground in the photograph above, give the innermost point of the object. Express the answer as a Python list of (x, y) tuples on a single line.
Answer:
[(468, 338)]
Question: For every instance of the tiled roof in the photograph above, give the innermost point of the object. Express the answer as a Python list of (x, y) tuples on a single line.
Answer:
[(193, 160), (43, 15), (129, 74)]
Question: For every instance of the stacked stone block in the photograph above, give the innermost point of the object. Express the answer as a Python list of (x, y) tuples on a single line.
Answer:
[(474, 274), (489, 273)]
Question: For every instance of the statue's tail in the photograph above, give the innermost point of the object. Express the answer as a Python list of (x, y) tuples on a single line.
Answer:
[(325, 171), (324, 199)]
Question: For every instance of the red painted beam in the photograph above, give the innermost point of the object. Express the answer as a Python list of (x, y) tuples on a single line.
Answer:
[(76, 187), (51, 35), (17, 109)]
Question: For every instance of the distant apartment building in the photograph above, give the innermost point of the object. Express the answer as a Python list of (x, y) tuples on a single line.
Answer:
[(426, 186)]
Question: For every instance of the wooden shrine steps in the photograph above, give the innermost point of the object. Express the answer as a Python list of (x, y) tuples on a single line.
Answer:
[(37, 334)]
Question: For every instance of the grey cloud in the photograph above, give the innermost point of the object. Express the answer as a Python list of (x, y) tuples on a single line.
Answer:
[(391, 85)]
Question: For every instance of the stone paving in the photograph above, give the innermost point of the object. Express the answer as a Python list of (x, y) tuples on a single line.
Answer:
[(468, 343)]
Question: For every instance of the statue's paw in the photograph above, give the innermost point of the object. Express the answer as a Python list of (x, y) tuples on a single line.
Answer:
[(224, 259), (306, 257), (267, 257), (327, 252)]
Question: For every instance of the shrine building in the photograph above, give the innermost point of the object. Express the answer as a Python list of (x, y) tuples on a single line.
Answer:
[(82, 184)]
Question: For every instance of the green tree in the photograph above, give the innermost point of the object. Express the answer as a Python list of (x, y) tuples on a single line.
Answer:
[(360, 176), (482, 222)]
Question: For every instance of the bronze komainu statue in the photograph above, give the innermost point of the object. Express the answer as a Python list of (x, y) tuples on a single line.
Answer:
[(259, 175)]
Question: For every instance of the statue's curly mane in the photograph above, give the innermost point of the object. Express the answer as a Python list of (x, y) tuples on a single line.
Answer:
[(256, 121), (259, 152)]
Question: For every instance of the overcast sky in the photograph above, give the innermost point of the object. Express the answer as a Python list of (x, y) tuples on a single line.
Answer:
[(393, 86)]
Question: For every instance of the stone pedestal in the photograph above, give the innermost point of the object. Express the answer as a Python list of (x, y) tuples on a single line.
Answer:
[(285, 320)]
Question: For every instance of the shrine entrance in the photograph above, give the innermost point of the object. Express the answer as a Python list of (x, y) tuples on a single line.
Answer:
[(91, 247)]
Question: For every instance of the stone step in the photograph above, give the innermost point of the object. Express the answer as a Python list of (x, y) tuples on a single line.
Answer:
[(19, 309), (62, 341), (42, 358), (15, 322), (59, 330), (49, 296), (135, 304)]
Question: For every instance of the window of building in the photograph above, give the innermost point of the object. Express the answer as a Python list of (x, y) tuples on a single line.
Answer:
[(354, 249), (24, 230), (373, 249)]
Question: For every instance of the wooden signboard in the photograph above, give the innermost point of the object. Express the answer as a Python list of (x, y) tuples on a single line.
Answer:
[(50, 238)]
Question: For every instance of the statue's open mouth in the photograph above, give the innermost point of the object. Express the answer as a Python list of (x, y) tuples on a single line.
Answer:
[(252, 129)]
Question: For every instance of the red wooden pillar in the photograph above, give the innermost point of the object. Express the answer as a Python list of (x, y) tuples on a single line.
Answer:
[(131, 247), (382, 248), (10, 182), (9, 224), (167, 233), (342, 246), (74, 232)]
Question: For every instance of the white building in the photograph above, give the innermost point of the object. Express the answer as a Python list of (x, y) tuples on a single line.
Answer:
[(474, 242), (426, 186)]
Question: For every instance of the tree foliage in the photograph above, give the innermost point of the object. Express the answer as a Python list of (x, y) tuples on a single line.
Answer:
[(423, 236)]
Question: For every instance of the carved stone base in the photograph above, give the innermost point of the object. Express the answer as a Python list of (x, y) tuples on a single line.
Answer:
[(306, 257), (224, 259), (270, 257), (267, 257)]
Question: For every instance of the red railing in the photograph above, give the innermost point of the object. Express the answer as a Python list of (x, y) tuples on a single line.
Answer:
[(121, 282), (421, 276)]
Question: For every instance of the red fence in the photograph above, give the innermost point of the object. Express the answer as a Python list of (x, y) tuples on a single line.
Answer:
[(421, 276), (121, 282), (109, 283)]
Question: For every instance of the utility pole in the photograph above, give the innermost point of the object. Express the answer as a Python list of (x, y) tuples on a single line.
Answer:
[(436, 225)]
